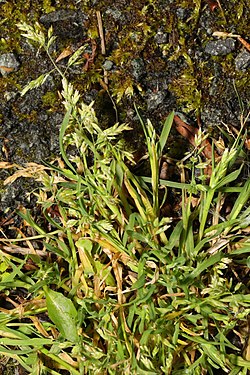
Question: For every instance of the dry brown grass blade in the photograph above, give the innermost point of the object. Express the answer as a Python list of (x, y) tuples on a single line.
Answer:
[(6, 69), (13, 249), (7, 165), (39, 326), (32, 170), (103, 47), (189, 132), (244, 42)]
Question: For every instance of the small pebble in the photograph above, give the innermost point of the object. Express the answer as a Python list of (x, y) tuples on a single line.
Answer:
[(138, 68), (242, 61), (155, 99), (220, 47), (161, 37), (108, 65)]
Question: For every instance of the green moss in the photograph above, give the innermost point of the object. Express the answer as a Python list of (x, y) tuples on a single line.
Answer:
[(50, 99), (47, 6), (186, 91)]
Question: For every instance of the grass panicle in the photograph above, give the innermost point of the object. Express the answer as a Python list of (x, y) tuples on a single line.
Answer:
[(107, 283)]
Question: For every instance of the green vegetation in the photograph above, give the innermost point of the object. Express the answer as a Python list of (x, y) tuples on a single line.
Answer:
[(125, 289), (108, 284)]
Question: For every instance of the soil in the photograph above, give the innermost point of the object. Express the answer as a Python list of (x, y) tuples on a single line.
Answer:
[(159, 54)]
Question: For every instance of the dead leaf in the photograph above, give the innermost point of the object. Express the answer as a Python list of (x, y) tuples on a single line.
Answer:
[(39, 325), (6, 69), (32, 170), (212, 4), (247, 143), (189, 132), (65, 53)]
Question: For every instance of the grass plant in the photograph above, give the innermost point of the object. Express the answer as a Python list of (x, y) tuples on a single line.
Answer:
[(112, 286)]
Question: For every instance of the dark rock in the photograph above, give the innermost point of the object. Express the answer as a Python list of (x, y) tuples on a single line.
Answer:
[(155, 99), (15, 194), (66, 23), (161, 37), (181, 13), (242, 61), (8, 63), (211, 117), (138, 68), (116, 14), (220, 47)]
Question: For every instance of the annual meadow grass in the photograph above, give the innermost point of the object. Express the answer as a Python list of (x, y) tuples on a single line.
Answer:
[(107, 283)]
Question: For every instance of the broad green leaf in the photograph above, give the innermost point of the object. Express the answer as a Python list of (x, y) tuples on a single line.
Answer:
[(62, 312), (54, 249), (239, 361), (119, 174), (27, 217), (35, 342), (105, 273)]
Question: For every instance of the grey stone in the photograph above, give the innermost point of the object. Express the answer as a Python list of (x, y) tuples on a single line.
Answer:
[(8, 63), (9, 95), (181, 13), (161, 37), (220, 47), (108, 65), (115, 13), (242, 61), (66, 22), (138, 68), (155, 99)]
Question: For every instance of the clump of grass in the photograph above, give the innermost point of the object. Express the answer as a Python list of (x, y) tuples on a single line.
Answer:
[(111, 285)]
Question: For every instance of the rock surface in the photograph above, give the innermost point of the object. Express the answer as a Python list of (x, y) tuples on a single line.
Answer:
[(66, 23), (8, 63), (220, 47), (242, 61)]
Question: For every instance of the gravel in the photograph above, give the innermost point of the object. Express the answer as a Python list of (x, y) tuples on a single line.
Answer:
[(220, 47)]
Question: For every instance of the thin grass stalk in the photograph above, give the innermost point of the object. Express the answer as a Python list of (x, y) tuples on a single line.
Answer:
[(136, 197), (123, 199), (186, 213), (58, 360), (74, 263), (154, 164), (208, 198), (153, 149)]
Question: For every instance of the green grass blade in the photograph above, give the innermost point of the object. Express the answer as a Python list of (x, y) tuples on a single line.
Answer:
[(165, 131)]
